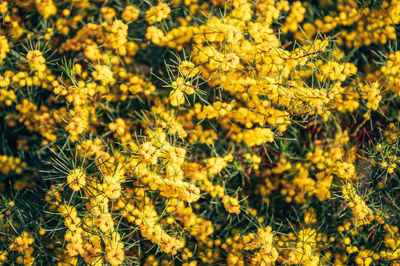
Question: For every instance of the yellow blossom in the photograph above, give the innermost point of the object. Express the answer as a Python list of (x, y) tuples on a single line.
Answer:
[(76, 179), (158, 13), (46, 8)]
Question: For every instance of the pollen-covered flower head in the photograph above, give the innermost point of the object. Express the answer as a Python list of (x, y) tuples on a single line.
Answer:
[(158, 13), (231, 204), (46, 8), (188, 69), (148, 153), (131, 13), (229, 61), (4, 47), (176, 97), (76, 179), (36, 61), (232, 34), (105, 222), (103, 74)]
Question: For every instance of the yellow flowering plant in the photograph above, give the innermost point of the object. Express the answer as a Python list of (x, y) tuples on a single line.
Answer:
[(199, 132)]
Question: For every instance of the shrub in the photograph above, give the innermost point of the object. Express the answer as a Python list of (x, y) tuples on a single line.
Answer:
[(199, 132)]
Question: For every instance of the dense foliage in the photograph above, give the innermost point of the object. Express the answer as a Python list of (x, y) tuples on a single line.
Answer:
[(195, 132)]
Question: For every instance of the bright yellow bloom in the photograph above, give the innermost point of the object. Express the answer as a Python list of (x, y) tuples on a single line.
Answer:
[(36, 61), (131, 13), (3, 256), (115, 255), (46, 8), (76, 179), (231, 204), (176, 97), (3, 7), (105, 222), (155, 35), (104, 74), (22, 242), (158, 13), (188, 69), (4, 47), (229, 61)]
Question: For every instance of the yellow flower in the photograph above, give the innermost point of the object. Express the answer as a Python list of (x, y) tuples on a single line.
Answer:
[(176, 97), (182, 85), (76, 179), (74, 248), (112, 187), (3, 7), (4, 47), (91, 254), (155, 35), (108, 13), (229, 61), (3, 256), (22, 242), (77, 125), (115, 255), (231, 204), (46, 8), (36, 61), (232, 34), (104, 74), (158, 13), (346, 171), (188, 69), (116, 36), (105, 222), (131, 13), (359, 208), (268, 254), (148, 153), (372, 95)]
